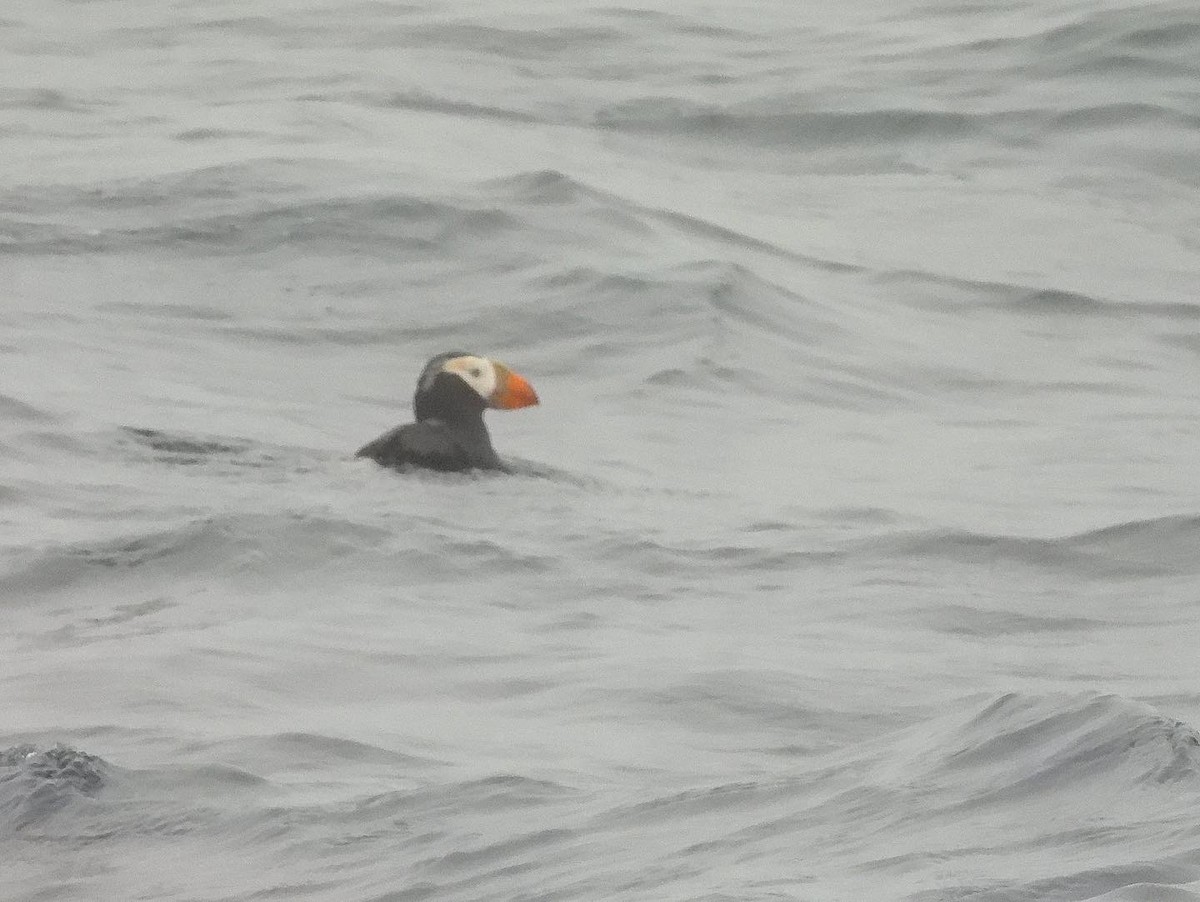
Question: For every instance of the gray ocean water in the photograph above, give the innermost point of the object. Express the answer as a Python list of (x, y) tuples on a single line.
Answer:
[(853, 552)]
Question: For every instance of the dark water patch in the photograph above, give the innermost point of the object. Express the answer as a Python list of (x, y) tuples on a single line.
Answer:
[(1058, 302), (964, 296), (675, 23), (983, 623), (286, 544), (498, 792), (1122, 48), (1122, 116), (347, 336), (1184, 33), (520, 466), (1135, 550), (738, 702), (425, 102), (1186, 342), (216, 453), (777, 124), (206, 781), (178, 190), (119, 622), (380, 225), (769, 526), (1103, 40), (675, 807), (1021, 388), (278, 550), (865, 516), (515, 467), (190, 449), (238, 209), (166, 310), (256, 26), (488, 855), (12, 409), (125, 613), (140, 551), (501, 792), (297, 751), (549, 42), (493, 558), (1140, 882), (384, 8), (1133, 29), (198, 135), (419, 891), (43, 100), (1163, 541), (657, 557), (494, 689), (542, 187)]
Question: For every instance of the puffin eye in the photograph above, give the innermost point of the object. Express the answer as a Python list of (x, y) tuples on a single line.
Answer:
[(475, 372)]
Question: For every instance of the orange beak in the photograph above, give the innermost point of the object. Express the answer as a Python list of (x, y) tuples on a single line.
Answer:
[(513, 391)]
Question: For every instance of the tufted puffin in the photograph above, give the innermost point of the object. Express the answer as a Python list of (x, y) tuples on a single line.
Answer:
[(454, 390)]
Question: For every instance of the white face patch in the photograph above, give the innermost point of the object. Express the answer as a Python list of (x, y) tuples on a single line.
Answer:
[(477, 372)]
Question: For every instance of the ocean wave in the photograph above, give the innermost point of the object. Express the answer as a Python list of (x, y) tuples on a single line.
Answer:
[(238, 208), (1121, 116), (758, 329), (228, 454), (14, 409), (262, 208), (183, 448), (497, 792), (657, 557), (423, 101), (212, 546), (985, 623), (548, 187), (550, 40), (299, 751), (378, 225), (783, 122), (1132, 550), (1022, 745), (1154, 41), (1009, 92), (45, 99), (638, 220), (963, 297), (35, 783)]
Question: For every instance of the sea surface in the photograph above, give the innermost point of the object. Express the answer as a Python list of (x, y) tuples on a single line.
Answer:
[(853, 552)]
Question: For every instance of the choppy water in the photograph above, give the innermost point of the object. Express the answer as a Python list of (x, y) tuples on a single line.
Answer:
[(852, 554)]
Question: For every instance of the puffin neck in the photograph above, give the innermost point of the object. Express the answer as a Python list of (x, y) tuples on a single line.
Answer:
[(449, 399), (454, 404)]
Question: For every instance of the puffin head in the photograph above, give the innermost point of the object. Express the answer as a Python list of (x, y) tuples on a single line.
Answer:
[(458, 383)]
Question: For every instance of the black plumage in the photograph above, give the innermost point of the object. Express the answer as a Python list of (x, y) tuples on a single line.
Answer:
[(449, 433)]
